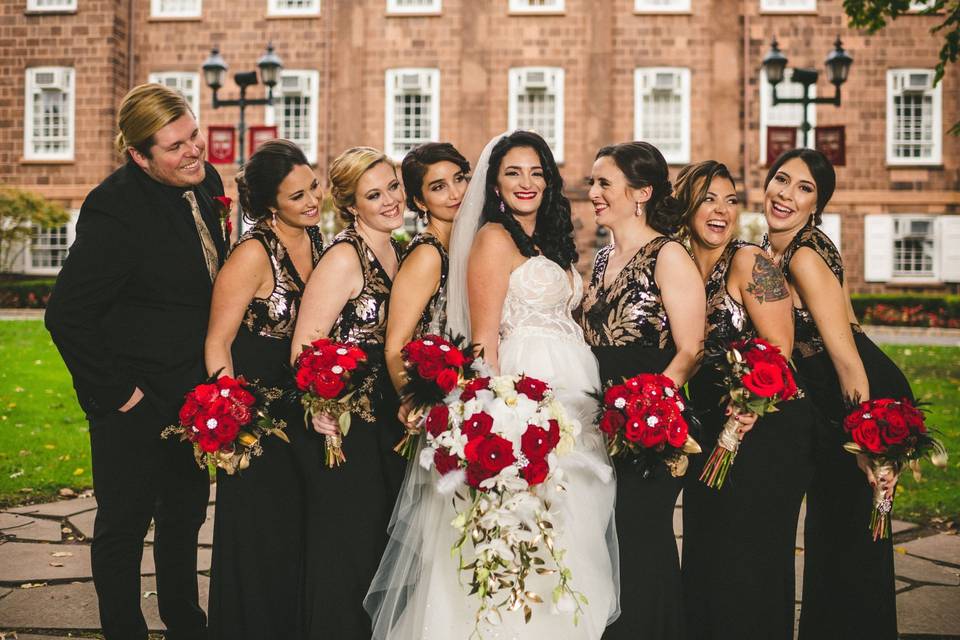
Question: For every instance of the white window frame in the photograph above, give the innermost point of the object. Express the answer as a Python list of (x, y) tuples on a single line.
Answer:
[(936, 156), (31, 92), (395, 8), (555, 82), (179, 77), (788, 6), (274, 116), (275, 8), (71, 230), (524, 6), (428, 78), (766, 100), (905, 219), (639, 74), (156, 10), (64, 5), (669, 6)]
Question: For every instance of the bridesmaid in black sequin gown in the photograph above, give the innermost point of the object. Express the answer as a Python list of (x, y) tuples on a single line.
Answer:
[(346, 300), (637, 323), (848, 588), (738, 541), (255, 581)]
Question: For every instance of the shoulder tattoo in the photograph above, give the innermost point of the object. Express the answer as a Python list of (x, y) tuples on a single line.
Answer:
[(767, 283)]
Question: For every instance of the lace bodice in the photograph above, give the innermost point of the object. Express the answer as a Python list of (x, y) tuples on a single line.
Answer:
[(540, 301)]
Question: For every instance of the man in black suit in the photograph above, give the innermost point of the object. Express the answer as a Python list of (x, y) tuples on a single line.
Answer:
[(129, 316)]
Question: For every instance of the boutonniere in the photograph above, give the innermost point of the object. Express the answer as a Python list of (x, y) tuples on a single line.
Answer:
[(226, 224)]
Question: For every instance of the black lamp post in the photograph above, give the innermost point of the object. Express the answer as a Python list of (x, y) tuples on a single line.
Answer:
[(838, 68), (214, 69)]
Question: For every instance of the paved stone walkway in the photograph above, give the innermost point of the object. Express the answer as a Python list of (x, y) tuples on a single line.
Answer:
[(46, 590)]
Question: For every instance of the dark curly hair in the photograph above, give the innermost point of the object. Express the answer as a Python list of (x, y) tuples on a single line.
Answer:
[(553, 234), (823, 174), (693, 183), (260, 177), (644, 166), (418, 161)]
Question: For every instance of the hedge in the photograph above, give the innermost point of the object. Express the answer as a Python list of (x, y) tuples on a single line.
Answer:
[(907, 310), (26, 293)]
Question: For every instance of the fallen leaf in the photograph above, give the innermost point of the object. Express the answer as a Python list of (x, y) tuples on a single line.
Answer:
[(67, 492), (55, 564), (16, 474), (49, 446), (62, 554), (24, 453), (78, 471), (19, 389), (147, 594), (33, 585)]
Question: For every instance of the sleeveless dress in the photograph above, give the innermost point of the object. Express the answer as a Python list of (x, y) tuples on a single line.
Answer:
[(848, 579), (349, 506), (433, 320), (416, 593), (627, 327), (256, 585), (739, 541)]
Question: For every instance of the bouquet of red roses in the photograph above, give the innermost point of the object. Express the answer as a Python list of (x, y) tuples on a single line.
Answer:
[(224, 419), (332, 377), (643, 418), (890, 433), (757, 377), (434, 368)]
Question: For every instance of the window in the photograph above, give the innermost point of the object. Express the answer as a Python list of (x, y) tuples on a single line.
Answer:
[(913, 247), (788, 6), (413, 6), (537, 6), (662, 110), (47, 248), (412, 109), (783, 115), (48, 117), (661, 6), (536, 104), (295, 107), (913, 117), (51, 5), (293, 7), (175, 8), (186, 82)]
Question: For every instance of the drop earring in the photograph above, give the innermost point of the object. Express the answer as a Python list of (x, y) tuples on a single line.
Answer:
[(503, 207), (639, 211)]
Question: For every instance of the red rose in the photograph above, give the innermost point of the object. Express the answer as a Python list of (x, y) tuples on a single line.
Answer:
[(639, 404), (188, 410), (535, 443), (477, 425), (454, 357), (493, 453), (665, 413), (304, 377), (633, 430), (429, 369), (535, 472), (436, 422), (611, 422), (447, 380), (914, 418), (867, 435), (345, 361), (327, 384), (224, 201), (477, 474), (206, 393), (470, 389), (789, 384), (240, 412), (445, 461), (614, 393), (532, 388), (653, 436), (765, 380), (553, 433), (894, 432), (227, 429), (677, 433), (208, 442)]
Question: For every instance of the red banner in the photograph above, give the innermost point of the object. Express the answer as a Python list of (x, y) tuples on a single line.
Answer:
[(260, 134), (832, 142), (779, 140), (221, 144)]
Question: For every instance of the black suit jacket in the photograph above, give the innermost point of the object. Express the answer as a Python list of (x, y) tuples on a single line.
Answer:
[(132, 300)]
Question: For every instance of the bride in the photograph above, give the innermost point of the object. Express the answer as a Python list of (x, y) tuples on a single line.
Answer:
[(512, 288)]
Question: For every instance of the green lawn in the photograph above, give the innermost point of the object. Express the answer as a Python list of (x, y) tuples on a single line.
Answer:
[(44, 444)]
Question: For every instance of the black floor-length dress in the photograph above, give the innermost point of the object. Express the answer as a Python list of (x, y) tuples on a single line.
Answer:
[(739, 541), (256, 587), (848, 588), (626, 325), (349, 506)]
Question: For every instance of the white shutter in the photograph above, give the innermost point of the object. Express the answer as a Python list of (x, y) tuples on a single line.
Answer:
[(948, 235), (830, 225), (878, 247)]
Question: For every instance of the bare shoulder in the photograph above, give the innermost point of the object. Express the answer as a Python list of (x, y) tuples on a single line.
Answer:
[(423, 261), (674, 255), (806, 264), (749, 258), (249, 255), (493, 236), (340, 260)]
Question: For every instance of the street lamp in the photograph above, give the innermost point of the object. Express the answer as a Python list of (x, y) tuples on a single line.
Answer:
[(214, 69), (838, 68)]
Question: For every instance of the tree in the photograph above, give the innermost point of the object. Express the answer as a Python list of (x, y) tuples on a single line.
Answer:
[(872, 15), (19, 212)]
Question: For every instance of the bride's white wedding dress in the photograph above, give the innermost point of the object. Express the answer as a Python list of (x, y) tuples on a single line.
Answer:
[(416, 593)]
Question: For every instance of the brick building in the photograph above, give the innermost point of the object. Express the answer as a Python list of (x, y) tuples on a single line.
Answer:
[(683, 74)]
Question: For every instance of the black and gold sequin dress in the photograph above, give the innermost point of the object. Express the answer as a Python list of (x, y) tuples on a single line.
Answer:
[(349, 506), (738, 542), (848, 586), (434, 317), (256, 586), (628, 330)]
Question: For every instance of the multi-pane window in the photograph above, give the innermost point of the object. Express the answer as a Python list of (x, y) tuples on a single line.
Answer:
[(662, 110), (51, 5), (914, 247), (788, 6), (661, 6), (536, 104), (49, 114), (412, 109), (295, 108), (175, 8), (48, 248), (913, 117), (413, 6), (293, 7), (537, 6), (186, 82), (783, 115)]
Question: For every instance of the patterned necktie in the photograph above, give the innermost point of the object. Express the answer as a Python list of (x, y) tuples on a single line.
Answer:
[(209, 249)]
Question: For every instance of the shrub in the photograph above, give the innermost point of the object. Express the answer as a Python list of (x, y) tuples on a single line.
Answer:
[(908, 310), (25, 294)]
